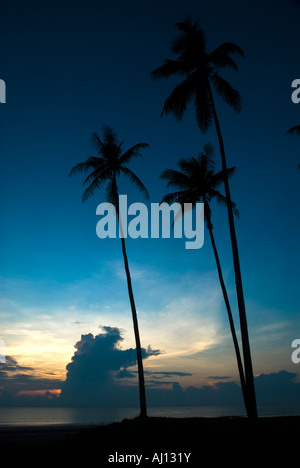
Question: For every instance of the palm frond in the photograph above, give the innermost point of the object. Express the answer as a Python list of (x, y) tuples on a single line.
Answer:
[(102, 173), (186, 198), (205, 161), (190, 167), (180, 97), (187, 25), (294, 130), (231, 48), (203, 107), (101, 166), (176, 178), (227, 92), (90, 163), (170, 197), (220, 57), (197, 182), (112, 192), (219, 177), (192, 35), (220, 60), (182, 197), (208, 150), (110, 135), (222, 200), (96, 142), (176, 197), (134, 178), (170, 68), (90, 190), (230, 171), (132, 152)]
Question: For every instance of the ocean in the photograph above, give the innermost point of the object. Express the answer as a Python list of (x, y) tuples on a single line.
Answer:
[(34, 416)]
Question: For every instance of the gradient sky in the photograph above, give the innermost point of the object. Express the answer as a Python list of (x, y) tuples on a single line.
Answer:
[(69, 68)]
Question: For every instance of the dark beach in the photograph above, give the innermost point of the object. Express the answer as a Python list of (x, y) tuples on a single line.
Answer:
[(156, 441)]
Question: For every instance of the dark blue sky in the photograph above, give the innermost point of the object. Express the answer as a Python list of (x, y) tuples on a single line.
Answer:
[(69, 68)]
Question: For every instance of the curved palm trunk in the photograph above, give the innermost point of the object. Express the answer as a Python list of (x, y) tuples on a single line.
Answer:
[(251, 398), (229, 313), (142, 392)]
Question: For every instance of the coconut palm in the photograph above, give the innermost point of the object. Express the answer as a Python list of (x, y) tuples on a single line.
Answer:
[(104, 169), (200, 71), (294, 131), (197, 182)]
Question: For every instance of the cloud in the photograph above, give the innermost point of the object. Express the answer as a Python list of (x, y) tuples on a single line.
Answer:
[(218, 377), (101, 373), (11, 365), (277, 388), (125, 374), (20, 387), (169, 374), (96, 368), (158, 377)]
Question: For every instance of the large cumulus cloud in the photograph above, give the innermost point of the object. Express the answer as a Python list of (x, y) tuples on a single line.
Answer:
[(94, 373)]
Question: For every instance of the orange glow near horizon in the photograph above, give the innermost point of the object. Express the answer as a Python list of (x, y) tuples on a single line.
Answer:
[(35, 393)]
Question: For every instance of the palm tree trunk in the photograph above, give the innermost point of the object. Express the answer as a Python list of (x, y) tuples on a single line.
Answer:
[(252, 410), (142, 392), (231, 323)]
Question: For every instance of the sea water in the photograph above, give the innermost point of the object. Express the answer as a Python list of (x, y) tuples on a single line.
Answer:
[(34, 416)]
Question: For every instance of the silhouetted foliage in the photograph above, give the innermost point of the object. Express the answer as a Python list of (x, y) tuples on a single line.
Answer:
[(197, 182), (200, 69), (294, 131), (104, 169)]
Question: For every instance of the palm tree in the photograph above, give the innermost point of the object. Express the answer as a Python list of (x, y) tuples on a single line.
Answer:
[(197, 182), (200, 69), (294, 131), (104, 169)]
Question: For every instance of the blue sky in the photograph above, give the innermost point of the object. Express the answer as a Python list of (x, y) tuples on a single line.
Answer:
[(71, 67)]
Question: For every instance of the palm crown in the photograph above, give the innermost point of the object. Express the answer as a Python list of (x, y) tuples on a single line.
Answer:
[(197, 181), (199, 67), (110, 163)]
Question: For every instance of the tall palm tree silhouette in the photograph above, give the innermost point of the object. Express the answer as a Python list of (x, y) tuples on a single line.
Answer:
[(104, 169), (200, 70), (197, 182)]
